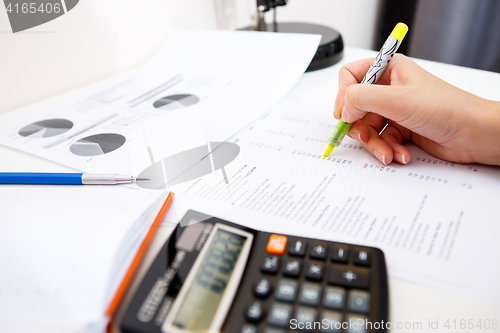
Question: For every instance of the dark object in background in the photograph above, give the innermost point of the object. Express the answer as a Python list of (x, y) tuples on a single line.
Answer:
[(331, 48), (393, 12), (458, 32)]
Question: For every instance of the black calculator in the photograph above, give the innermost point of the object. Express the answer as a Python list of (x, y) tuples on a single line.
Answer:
[(215, 276)]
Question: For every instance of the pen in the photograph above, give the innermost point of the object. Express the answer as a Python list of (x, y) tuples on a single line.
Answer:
[(374, 73), (36, 178)]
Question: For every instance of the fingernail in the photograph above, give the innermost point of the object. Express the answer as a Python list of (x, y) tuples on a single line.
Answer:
[(359, 136), (380, 157), (400, 157), (345, 114)]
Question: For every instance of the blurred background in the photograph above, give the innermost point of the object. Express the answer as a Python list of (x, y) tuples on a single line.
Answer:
[(99, 38)]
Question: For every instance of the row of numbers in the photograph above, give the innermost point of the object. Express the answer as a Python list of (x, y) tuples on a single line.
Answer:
[(471, 324), (427, 178), (33, 7), (378, 167), (306, 154), (351, 146), (279, 133), (325, 141), (433, 161), (295, 120), (326, 125), (339, 160), (266, 146)]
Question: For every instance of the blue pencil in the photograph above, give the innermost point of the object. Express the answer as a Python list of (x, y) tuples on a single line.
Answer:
[(36, 178)]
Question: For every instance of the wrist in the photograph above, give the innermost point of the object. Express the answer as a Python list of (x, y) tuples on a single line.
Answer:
[(488, 139)]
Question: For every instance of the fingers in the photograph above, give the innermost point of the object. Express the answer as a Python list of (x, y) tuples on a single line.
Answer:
[(388, 101), (378, 147), (387, 146), (359, 131), (349, 74), (394, 138)]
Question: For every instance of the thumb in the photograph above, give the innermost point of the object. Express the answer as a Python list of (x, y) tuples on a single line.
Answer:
[(388, 101)]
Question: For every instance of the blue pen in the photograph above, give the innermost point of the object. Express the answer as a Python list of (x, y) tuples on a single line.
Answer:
[(36, 178)]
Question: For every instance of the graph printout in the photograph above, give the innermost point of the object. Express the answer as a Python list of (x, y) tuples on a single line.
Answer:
[(177, 101)]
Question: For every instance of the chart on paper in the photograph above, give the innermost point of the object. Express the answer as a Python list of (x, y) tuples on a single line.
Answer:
[(46, 128), (174, 102)]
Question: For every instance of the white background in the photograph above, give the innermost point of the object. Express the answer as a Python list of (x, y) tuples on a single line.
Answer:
[(99, 38)]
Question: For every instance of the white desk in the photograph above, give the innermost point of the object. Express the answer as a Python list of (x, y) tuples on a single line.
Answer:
[(410, 304)]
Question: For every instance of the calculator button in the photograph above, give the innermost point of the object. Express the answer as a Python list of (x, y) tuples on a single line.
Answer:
[(357, 324), (292, 268), (280, 315), (315, 271), (270, 264), (306, 317), (310, 294), (358, 301), (346, 276), (276, 244), (263, 288), (255, 312), (362, 257), (249, 328), (318, 251), (334, 298), (298, 248), (340, 253), (333, 322), (287, 290)]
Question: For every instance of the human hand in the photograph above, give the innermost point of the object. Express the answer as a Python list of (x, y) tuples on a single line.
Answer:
[(444, 120)]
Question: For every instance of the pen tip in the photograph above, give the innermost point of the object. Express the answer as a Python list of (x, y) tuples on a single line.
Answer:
[(328, 151), (142, 179)]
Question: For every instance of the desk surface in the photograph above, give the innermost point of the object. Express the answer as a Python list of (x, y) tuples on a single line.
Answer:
[(410, 304)]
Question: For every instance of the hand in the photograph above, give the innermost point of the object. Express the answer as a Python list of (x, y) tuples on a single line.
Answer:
[(445, 121)]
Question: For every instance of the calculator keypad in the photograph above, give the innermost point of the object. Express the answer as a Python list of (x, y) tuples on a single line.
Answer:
[(283, 284), (311, 282)]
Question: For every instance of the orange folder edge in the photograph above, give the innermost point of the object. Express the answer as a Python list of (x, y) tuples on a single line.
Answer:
[(137, 259)]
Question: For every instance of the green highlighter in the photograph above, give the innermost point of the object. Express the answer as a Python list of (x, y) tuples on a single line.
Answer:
[(374, 73)]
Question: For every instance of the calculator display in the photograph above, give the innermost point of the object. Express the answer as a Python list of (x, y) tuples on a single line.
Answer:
[(205, 293)]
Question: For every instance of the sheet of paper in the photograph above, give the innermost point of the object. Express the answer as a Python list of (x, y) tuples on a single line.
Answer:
[(64, 250), (431, 218), (201, 86)]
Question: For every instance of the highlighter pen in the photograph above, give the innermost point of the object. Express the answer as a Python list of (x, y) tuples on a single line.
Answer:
[(374, 73)]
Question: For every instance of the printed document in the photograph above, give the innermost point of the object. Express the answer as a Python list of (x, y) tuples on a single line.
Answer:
[(431, 218)]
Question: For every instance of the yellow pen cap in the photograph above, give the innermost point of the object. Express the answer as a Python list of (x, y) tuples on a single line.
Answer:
[(399, 31)]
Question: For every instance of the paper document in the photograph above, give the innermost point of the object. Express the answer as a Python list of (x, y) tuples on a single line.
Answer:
[(200, 87), (430, 217), (65, 250)]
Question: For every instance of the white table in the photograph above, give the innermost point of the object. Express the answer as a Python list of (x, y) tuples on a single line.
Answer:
[(410, 305)]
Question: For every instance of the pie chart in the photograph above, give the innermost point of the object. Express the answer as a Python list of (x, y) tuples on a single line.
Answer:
[(174, 102), (98, 144), (46, 128), (189, 165)]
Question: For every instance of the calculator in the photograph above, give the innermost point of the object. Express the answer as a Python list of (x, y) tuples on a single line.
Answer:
[(215, 276)]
